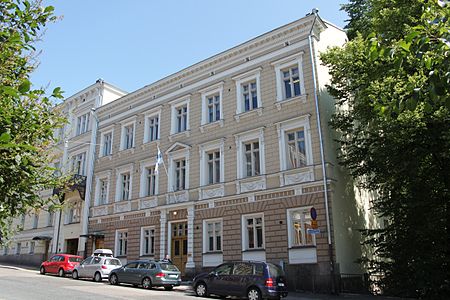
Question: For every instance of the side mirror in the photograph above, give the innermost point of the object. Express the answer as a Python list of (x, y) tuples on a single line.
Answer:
[(213, 274)]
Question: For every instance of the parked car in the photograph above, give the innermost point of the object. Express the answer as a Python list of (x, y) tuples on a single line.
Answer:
[(96, 267), (147, 273), (248, 279), (60, 264)]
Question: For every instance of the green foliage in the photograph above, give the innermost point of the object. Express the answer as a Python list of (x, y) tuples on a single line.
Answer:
[(394, 119), (28, 117)]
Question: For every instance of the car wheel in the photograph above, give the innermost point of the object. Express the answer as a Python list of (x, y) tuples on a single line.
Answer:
[(75, 274), (201, 290), (113, 279), (97, 277), (254, 294), (147, 283), (168, 287), (42, 270), (61, 273)]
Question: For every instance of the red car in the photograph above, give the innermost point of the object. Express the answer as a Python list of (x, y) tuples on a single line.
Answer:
[(60, 264)]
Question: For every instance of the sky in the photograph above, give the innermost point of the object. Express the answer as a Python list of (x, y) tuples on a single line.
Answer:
[(133, 43)]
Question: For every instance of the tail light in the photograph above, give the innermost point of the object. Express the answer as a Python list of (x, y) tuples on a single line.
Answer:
[(104, 267), (160, 275), (269, 282)]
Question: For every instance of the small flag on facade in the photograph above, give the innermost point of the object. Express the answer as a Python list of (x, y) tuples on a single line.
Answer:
[(159, 159)]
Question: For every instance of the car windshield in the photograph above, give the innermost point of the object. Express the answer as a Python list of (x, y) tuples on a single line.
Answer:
[(75, 259), (275, 271), (113, 262), (169, 267)]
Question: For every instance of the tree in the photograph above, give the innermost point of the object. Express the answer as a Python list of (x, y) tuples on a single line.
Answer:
[(28, 118), (393, 115)]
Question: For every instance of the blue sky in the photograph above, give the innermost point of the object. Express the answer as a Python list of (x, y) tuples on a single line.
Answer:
[(133, 43)]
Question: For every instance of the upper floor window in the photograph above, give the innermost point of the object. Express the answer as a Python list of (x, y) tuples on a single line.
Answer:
[(150, 183), (35, 220), (213, 167), (250, 153), (248, 91), (289, 77), (252, 161), (180, 174), (102, 187), (124, 182), (107, 144), (82, 124), (296, 148), (128, 138), (178, 158), (102, 199), (79, 163), (212, 104), (125, 186), (253, 232), (180, 116), (211, 162), (153, 128), (51, 216), (299, 222), (74, 213)]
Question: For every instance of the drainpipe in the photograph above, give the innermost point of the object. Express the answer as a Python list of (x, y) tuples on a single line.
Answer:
[(90, 171), (322, 153)]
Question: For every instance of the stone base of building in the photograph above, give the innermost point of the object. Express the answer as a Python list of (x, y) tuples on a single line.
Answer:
[(32, 260)]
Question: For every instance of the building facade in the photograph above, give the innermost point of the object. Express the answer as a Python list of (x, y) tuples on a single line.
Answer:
[(225, 159)]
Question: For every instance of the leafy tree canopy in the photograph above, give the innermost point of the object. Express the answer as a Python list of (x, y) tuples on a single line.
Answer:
[(392, 81), (28, 117)]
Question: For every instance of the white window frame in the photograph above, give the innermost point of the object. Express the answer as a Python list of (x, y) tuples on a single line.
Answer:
[(253, 75), (172, 157), (73, 213), (241, 139), (289, 125), (149, 163), (154, 113), (204, 150), (185, 101), (119, 172), (104, 132), (32, 247), (125, 124), (51, 216), (99, 177), (207, 92), (75, 158), (117, 249), (142, 243), (289, 213), (284, 63), (206, 237), (82, 123), (35, 221), (245, 237)]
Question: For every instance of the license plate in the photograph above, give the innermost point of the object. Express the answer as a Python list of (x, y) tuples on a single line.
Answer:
[(173, 276), (280, 284)]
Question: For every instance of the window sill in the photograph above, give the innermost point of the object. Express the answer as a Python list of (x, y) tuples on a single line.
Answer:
[(185, 133), (298, 99), (212, 252), (254, 250), (208, 126), (249, 113), (302, 247)]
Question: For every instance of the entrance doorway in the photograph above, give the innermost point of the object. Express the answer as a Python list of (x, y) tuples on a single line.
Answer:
[(99, 243), (179, 245), (72, 246)]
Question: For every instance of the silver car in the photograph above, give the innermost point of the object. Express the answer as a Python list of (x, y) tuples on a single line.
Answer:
[(96, 267)]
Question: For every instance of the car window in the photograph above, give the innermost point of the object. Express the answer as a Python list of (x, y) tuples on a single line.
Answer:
[(132, 265), (243, 269), (87, 261), (96, 260), (75, 259), (275, 270), (152, 266), (113, 262), (55, 258), (168, 267), (224, 269), (144, 265), (259, 269), (61, 258)]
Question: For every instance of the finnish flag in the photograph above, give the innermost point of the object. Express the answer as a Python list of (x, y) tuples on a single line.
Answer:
[(159, 159)]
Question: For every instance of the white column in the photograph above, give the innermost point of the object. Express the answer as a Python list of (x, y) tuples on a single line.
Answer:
[(162, 243), (190, 259)]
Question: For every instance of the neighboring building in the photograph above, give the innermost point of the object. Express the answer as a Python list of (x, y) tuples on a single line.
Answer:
[(74, 154), (242, 163)]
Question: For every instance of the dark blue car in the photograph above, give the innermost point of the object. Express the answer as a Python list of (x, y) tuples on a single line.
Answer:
[(249, 279)]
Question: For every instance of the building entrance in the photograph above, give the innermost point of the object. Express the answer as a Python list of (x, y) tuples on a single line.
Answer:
[(179, 245)]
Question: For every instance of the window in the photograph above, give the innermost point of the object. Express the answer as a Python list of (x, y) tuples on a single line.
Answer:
[(248, 91), (296, 148), (125, 186), (35, 220), (121, 242), (299, 220), (74, 213), (295, 143), (252, 161), (107, 144), (243, 268), (180, 116), (147, 241), (289, 77), (224, 269), (212, 104), (212, 162), (213, 167), (253, 235), (103, 196), (250, 156), (153, 128), (31, 251), (18, 248), (212, 235), (150, 181), (128, 137), (79, 164), (102, 180), (50, 218), (180, 174), (82, 124)]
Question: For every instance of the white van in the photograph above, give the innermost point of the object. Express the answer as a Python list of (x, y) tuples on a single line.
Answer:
[(103, 252)]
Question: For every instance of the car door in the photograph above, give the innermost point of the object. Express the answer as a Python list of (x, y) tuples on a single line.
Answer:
[(82, 267), (241, 278), (93, 266), (50, 268), (127, 273), (141, 272), (219, 279)]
